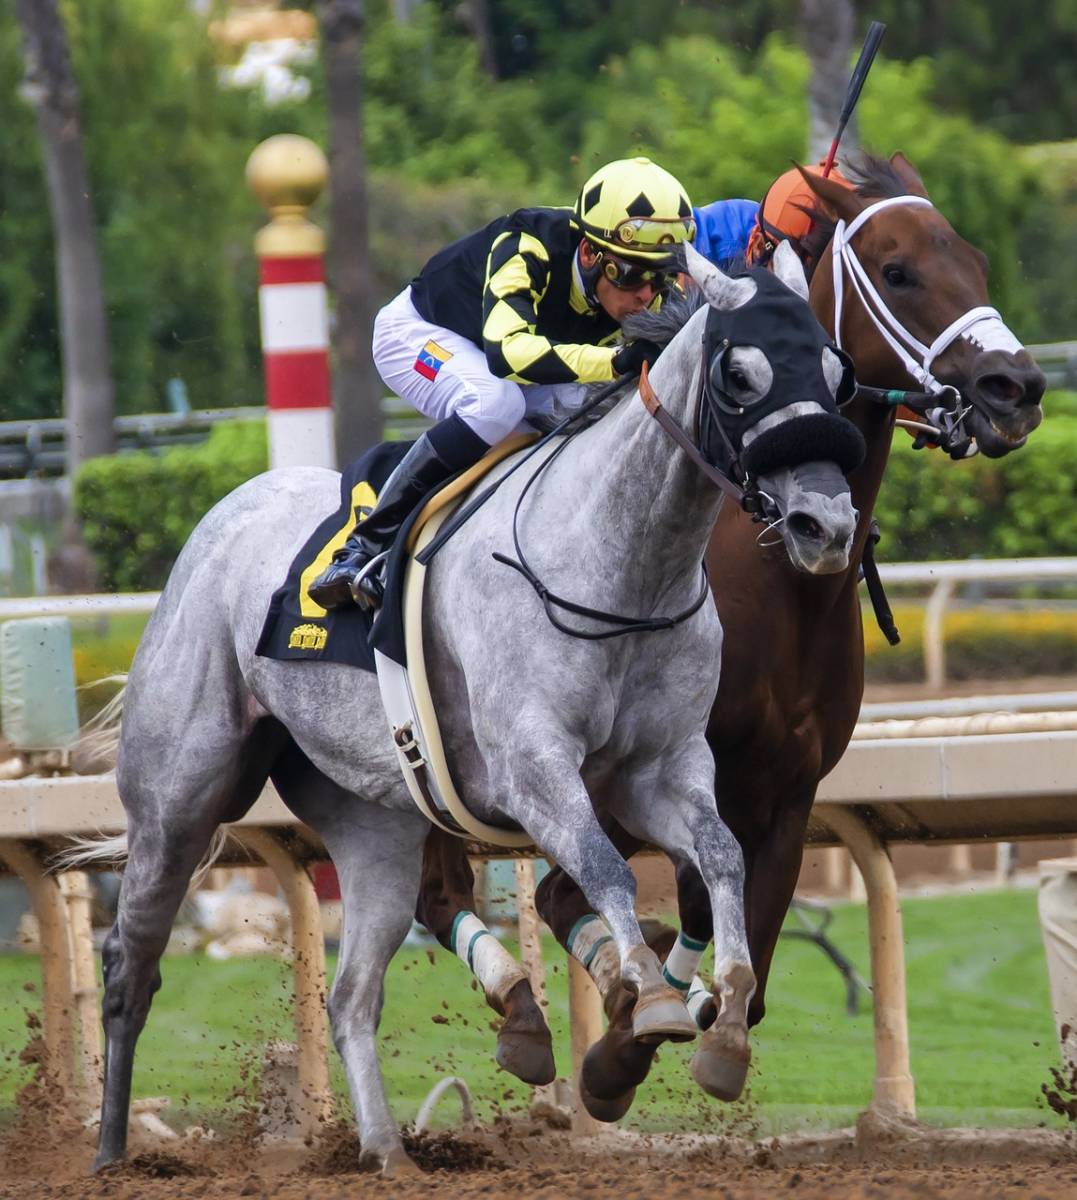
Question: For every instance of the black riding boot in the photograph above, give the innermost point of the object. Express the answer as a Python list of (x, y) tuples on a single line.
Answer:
[(446, 448)]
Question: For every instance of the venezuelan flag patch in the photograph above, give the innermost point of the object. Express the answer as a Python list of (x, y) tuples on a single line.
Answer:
[(432, 358)]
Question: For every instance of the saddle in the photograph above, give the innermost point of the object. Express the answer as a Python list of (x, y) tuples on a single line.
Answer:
[(388, 642), (405, 689)]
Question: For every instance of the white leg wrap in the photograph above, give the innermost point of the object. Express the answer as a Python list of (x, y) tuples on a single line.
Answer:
[(591, 944), (492, 965), (683, 962)]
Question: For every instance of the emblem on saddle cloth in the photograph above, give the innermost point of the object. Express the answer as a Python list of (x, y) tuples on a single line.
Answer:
[(308, 637)]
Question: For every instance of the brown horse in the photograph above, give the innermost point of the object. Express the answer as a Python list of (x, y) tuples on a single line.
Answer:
[(792, 667)]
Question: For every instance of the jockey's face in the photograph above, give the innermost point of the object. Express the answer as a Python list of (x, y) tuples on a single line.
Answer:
[(618, 302)]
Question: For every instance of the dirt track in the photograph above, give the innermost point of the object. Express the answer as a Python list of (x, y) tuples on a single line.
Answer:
[(878, 1161)]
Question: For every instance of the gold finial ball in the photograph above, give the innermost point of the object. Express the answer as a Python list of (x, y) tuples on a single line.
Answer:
[(287, 170)]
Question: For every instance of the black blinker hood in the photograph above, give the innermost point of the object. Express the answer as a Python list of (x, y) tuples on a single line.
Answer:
[(783, 327)]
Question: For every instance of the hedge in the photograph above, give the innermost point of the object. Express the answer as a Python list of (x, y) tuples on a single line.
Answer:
[(1022, 505), (137, 510), (980, 644)]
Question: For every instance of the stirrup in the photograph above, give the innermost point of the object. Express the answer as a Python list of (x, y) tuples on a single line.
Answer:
[(361, 598)]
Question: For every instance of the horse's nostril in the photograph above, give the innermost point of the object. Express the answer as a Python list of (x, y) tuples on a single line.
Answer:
[(805, 526), (1001, 388)]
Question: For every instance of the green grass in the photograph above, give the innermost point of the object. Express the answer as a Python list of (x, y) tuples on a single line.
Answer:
[(982, 1034)]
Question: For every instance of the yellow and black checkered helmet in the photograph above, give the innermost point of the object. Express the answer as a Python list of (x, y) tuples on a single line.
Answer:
[(635, 209)]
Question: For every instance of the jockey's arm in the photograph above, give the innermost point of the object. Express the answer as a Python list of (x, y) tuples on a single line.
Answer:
[(517, 276)]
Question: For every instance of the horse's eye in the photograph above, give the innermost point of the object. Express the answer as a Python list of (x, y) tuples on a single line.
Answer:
[(895, 275), (738, 379)]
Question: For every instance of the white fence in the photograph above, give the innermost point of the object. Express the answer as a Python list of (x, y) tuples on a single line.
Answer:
[(943, 578)]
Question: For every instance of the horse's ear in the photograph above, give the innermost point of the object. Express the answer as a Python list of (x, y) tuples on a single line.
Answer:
[(721, 290), (787, 266), (842, 203), (908, 174)]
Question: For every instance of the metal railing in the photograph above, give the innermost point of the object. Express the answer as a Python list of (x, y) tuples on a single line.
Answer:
[(38, 449)]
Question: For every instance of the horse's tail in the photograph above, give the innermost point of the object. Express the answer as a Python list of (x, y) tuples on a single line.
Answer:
[(97, 851), (99, 738)]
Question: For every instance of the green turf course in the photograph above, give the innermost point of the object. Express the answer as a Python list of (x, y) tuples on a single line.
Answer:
[(982, 1035)]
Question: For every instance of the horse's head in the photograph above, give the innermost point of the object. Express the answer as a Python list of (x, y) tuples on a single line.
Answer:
[(771, 384), (912, 298)]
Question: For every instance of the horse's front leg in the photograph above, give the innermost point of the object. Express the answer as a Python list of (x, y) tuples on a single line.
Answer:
[(551, 802), (446, 906), (678, 813), (772, 879)]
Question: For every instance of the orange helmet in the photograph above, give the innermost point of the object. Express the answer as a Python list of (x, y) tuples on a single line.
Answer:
[(785, 212)]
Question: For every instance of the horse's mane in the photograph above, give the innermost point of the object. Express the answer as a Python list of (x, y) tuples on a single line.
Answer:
[(872, 177), (662, 327)]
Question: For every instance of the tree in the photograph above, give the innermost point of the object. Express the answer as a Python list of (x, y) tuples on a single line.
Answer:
[(356, 386), (51, 89), (826, 28)]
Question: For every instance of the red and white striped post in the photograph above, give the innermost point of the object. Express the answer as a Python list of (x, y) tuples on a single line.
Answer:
[(287, 173)]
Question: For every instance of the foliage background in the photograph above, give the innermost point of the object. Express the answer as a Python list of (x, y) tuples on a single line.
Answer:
[(716, 91)]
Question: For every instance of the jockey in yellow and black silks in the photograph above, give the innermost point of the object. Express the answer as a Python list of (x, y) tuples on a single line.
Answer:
[(508, 321)]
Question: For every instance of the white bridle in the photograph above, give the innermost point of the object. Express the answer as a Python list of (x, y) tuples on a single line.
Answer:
[(983, 326)]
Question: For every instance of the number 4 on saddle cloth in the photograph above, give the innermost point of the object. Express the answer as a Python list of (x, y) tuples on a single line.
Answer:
[(298, 628)]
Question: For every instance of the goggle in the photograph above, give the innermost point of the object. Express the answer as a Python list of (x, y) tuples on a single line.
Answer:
[(653, 232), (630, 277)]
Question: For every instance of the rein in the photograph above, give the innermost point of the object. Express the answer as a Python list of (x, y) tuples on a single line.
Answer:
[(654, 407), (552, 601)]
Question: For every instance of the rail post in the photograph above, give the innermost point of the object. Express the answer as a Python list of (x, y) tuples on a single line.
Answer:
[(314, 1106), (894, 1087), (934, 633), (287, 173)]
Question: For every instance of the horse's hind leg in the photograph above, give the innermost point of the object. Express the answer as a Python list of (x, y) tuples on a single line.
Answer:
[(171, 822), (446, 907), (378, 856), (162, 857)]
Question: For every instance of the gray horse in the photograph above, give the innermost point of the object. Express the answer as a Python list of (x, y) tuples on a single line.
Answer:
[(545, 729)]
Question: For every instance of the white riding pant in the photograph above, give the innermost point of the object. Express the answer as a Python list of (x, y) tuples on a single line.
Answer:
[(442, 373)]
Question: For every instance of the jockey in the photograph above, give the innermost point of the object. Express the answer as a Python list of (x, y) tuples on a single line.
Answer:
[(723, 231), (496, 322)]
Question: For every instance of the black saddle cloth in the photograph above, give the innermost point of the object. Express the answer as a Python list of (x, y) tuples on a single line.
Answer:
[(345, 635)]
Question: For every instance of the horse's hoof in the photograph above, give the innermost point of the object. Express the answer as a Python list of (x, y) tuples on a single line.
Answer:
[(615, 1066), (397, 1165), (527, 1054), (607, 1111), (661, 1015), (721, 1070)]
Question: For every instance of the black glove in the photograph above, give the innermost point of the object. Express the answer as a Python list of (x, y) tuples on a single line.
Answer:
[(630, 358)]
